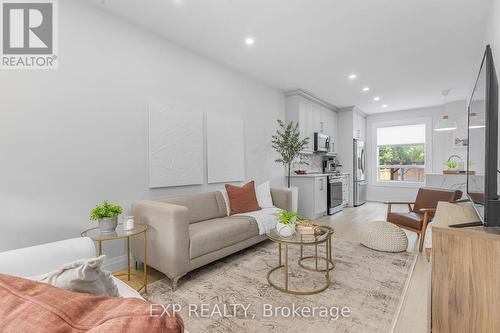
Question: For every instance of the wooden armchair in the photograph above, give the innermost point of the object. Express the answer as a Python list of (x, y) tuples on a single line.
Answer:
[(420, 215)]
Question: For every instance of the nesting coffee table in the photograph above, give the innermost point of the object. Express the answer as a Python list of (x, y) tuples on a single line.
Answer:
[(323, 237)]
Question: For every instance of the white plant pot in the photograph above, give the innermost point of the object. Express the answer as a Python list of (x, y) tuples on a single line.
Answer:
[(285, 230), (295, 198)]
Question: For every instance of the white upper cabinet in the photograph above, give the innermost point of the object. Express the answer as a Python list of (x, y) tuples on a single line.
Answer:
[(359, 126), (316, 114), (306, 127), (312, 117), (329, 122)]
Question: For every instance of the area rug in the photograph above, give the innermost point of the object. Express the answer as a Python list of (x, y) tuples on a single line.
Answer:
[(233, 295)]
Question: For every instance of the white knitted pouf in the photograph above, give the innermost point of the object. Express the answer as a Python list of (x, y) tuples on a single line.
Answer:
[(384, 236)]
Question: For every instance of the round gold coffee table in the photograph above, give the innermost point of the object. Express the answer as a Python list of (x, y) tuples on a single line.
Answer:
[(324, 236), (121, 233)]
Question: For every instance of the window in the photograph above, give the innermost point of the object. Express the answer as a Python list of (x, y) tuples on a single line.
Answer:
[(401, 153)]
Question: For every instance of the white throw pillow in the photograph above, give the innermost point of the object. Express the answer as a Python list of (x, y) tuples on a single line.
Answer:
[(82, 275), (226, 200), (263, 193)]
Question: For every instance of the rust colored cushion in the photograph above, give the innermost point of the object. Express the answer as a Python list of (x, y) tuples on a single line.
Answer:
[(242, 199), (29, 306)]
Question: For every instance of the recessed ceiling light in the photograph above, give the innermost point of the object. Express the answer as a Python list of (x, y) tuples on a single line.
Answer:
[(365, 89), (376, 98), (352, 76), (249, 41), (384, 106)]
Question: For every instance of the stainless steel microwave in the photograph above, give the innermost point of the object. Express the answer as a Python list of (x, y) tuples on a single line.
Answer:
[(321, 142)]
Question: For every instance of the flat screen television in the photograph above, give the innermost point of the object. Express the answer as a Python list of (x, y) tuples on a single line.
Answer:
[(482, 148)]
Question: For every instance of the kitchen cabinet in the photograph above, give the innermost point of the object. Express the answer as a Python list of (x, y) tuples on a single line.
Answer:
[(329, 123), (312, 114), (305, 120), (312, 198), (320, 202), (315, 112), (359, 127), (345, 190)]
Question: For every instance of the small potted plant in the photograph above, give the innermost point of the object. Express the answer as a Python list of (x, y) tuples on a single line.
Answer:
[(106, 215), (286, 222), (452, 165)]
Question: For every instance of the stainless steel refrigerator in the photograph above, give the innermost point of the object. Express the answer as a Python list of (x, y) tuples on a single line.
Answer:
[(359, 173)]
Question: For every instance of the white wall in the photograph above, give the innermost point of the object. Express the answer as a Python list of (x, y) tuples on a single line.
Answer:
[(493, 33), (493, 38), (441, 147), (74, 136)]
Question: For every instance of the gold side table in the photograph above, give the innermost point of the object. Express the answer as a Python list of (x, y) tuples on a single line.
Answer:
[(324, 236), (96, 235)]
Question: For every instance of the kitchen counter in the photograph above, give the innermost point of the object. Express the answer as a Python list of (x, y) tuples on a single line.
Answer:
[(312, 174), (320, 174)]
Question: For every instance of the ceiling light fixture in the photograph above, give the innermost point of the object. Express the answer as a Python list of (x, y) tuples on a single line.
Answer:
[(366, 89), (376, 98), (445, 124), (384, 106), (352, 76), (249, 41)]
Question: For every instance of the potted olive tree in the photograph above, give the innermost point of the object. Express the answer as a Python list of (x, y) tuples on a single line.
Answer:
[(289, 146), (106, 214)]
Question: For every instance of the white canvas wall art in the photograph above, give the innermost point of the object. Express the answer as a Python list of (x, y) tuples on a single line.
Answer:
[(175, 146)]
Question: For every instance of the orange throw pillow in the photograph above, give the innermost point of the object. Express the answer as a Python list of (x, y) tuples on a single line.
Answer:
[(29, 306), (242, 199)]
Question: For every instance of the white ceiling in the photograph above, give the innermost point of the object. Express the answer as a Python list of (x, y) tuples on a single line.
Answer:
[(407, 51)]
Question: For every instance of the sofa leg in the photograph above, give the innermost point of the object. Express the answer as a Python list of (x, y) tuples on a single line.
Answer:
[(175, 282)]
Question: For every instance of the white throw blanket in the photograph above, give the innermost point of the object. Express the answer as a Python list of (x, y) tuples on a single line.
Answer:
[(83, 275), (265, 219)]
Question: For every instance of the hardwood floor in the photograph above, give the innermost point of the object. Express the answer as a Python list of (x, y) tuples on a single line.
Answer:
[(137, 280), (415, 311)]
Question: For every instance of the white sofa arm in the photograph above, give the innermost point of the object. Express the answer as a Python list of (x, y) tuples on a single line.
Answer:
[(39, 259)]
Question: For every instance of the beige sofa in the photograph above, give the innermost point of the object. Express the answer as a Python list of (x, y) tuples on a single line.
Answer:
[(190, 231)]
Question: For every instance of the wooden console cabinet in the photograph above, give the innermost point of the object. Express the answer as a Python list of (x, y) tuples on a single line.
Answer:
[(465, 273)]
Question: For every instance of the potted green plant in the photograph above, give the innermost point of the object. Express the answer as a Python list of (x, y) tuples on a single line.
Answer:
[(289, 146), (106, 214), (286, 222), (452, 165)]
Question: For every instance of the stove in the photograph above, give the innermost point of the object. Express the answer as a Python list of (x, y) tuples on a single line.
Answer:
[(334, 192), (334, 173)]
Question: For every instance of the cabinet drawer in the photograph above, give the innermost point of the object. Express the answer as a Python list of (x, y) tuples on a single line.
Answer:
[(320, 204)]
